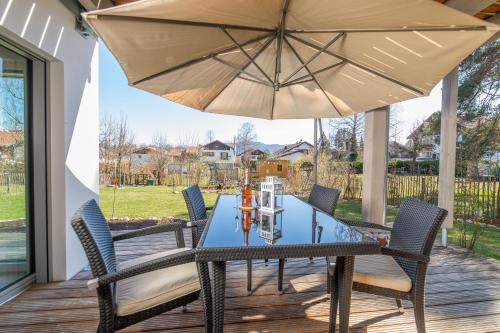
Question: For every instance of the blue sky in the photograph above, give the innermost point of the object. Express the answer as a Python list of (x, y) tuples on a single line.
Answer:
[(148, 114)]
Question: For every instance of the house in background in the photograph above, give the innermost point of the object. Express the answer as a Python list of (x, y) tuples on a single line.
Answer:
[(252, 154), (398, 151), (12, 144), (293, 152), (217, 152), (261, 169), (426, 139), (142, 156)]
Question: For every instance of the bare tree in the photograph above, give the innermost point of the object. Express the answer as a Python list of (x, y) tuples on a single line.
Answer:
[(210, 136), (13, 103), (416, 141), (346, 133), (106, 142), (124, 144), (246, 138), (395, 124), (116, 144), (159, 156)]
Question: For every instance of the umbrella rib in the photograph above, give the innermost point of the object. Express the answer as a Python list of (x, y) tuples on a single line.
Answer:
[(313, 77), (200, 59), (358, 65), (242, 71), (314, 56), (247, 55), (237, 75), (281, 28), (179, 22), (252, 80), (396, 29), (294, 81)]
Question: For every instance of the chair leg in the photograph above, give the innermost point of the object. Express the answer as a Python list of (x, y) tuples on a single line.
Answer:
[(249, 276), (266, 262), (328, 282), (281, 269), (400, 306), (419, 309)]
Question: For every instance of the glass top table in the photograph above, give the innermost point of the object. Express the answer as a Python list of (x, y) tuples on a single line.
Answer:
[(297, 224), (299, 231)]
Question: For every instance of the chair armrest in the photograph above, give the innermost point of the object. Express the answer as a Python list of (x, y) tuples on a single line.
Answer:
[(404, 254), (191, 224), (353, 223), (196, 229), (174, 226), (149, 266)]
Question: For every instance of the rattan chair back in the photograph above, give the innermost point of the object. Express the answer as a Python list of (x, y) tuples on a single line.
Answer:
[(415, 228), (324, 198), (195, 203)]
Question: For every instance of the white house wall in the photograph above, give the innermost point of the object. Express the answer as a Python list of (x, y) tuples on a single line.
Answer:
[(217, 156), (47, 28)]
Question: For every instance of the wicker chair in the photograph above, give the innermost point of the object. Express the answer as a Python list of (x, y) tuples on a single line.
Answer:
[(141, 288), (198, 211), (400, 270), (322, 198)]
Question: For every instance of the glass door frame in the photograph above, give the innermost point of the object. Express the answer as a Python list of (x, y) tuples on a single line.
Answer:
[(36, 172)]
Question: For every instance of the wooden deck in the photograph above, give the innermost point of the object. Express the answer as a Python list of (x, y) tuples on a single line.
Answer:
[(463, 295)]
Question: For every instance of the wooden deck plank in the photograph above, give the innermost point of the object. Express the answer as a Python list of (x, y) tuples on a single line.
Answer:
[(462, 294)]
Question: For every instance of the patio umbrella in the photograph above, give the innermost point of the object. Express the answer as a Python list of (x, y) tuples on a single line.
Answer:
[(288, 58)]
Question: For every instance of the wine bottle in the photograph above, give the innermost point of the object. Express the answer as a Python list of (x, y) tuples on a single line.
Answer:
[(246, 192)]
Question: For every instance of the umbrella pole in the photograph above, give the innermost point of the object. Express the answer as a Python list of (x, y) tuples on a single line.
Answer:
[(315, 152)]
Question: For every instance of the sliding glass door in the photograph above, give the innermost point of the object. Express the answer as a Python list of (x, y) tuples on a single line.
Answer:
[(16, 237)]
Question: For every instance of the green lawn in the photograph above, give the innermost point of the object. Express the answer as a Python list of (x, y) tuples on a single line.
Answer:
[(146, 201), (488, 244), (12, 206)]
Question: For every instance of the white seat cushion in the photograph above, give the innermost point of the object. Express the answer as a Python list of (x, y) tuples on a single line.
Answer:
[(380, 271), (148, 290)]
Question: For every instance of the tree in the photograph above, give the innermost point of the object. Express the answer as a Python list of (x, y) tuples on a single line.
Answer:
[(395, 124), (478, 107), (12, 103), (116, 144), (416, 141), (246, 138), (159, 157), (346, 134), (210, 136), (124, 145)]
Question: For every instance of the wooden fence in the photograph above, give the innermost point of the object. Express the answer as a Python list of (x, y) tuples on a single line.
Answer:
[(11, 182), (477, 198)]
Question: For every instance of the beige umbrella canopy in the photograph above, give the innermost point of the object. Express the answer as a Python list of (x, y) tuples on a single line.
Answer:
[(288, 58)]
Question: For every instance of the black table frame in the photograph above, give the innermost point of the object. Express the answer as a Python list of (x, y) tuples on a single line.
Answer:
[(344, 252)]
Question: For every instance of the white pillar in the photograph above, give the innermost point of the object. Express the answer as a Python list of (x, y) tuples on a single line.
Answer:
[(447, 153), (375, 154), (315, 152)]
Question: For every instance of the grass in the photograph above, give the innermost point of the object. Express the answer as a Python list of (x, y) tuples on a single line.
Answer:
[(487, 245), (146, 201), (12, 206)]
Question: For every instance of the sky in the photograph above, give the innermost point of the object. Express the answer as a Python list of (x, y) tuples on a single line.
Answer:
[(148, 114)]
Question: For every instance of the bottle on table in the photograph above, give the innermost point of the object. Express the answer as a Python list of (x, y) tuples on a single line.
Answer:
[(246, 192)]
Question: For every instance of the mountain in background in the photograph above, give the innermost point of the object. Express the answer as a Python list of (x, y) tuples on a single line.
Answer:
[(271, 147)]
